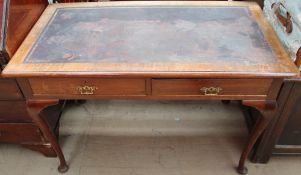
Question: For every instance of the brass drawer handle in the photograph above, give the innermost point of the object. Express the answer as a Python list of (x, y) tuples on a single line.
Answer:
[(86, 90), (211, 90)]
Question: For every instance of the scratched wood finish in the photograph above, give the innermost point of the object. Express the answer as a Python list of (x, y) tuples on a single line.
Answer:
[(182, 53)]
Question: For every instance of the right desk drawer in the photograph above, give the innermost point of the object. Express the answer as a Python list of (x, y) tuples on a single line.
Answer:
[(211, 87)]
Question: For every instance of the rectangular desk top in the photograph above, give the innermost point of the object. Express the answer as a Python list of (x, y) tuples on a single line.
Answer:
[(229, 39)]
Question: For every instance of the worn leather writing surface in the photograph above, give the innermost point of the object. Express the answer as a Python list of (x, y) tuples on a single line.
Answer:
[(152, 35)]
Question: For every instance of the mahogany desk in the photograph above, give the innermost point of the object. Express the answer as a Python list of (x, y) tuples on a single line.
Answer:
[(152, 51)]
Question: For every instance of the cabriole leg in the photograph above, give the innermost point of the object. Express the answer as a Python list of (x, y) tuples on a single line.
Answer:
[(34, 107), (266, 108)]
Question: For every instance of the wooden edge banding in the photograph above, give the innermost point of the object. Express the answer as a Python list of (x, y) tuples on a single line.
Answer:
[(150, 74)]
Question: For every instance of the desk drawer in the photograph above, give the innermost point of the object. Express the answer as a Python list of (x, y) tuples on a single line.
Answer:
[(211, 87), (65, 87)]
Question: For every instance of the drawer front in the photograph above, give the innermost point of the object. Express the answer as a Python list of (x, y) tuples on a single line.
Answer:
[(78, 87), (211, 87), (9, 89), (20, 133)]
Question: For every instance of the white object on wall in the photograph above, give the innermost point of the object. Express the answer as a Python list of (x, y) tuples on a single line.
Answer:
[(291, 41)]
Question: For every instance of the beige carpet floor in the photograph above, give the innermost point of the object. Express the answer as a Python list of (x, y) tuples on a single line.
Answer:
[(147, 138)]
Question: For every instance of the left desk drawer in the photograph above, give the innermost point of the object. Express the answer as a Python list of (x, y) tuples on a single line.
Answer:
[(9, 90), (79, 87)]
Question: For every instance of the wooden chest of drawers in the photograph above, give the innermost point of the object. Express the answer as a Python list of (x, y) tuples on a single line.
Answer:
[(16, 19)]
